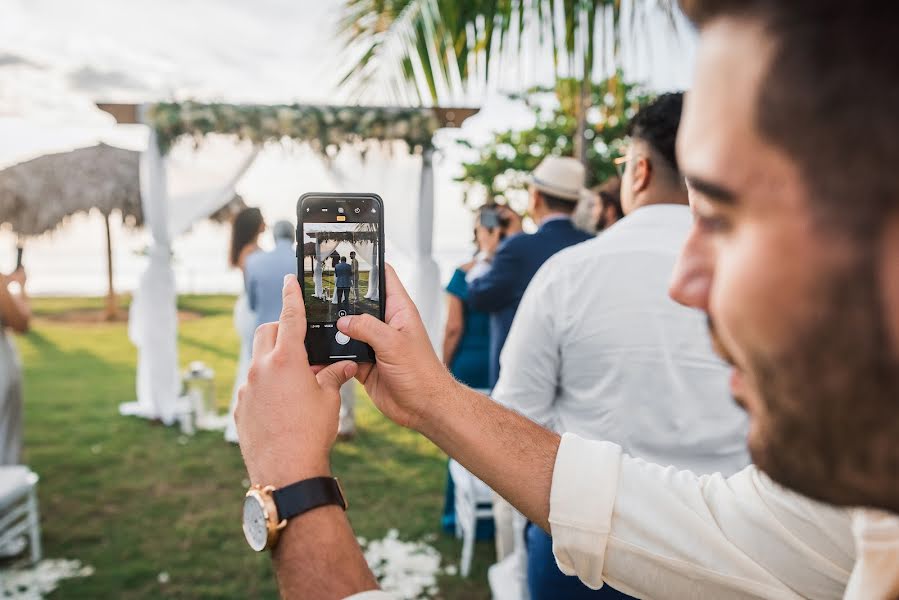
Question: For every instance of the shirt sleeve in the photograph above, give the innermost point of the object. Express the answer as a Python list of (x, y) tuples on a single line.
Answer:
[(457, 286), (501, 285), (529, 361), (652, 531)]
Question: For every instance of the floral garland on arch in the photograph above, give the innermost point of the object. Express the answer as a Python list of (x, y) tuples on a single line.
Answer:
[(324, 128)]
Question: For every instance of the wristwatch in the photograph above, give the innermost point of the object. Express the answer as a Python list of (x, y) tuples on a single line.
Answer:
[(266, 510)]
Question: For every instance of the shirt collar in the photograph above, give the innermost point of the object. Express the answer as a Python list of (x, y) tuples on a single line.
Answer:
[(553, 219)]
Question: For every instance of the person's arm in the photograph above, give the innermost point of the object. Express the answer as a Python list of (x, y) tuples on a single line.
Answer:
[(15, 312), (530, 360), (287, 422), (648, 530), (501, 285), (452, 331), (653, 531)]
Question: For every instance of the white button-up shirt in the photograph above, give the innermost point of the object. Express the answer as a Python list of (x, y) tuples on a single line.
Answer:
[(599, 349), (655, 532)]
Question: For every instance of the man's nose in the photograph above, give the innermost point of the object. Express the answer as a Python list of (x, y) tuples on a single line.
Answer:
[(692, 277)]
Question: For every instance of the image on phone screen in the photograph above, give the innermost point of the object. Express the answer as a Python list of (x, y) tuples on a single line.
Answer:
[(340, 263)]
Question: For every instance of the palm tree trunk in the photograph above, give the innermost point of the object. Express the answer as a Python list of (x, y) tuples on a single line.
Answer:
[(111, 306)]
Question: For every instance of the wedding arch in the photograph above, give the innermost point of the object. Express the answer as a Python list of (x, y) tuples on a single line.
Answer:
[(153, 319)]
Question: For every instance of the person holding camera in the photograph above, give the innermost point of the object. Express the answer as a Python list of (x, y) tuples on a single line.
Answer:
[(15, 316)]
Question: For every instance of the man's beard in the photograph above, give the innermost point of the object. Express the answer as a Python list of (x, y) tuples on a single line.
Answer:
[(829, 427)]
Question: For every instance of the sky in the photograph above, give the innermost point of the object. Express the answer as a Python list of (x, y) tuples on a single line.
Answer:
[(57, 57)]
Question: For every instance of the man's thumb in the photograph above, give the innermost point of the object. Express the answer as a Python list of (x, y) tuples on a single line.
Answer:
[(366, 328), (333, 376)]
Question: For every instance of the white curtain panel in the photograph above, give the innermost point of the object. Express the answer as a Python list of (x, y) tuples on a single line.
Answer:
[(322, 251), (168, 211), (153, 317)]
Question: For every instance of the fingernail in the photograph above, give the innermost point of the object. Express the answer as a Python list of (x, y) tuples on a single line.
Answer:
[(287, 280), (343, 323)]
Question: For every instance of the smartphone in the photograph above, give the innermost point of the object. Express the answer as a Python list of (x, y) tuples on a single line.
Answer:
[(340, 258), (19, 251), (489, 218)]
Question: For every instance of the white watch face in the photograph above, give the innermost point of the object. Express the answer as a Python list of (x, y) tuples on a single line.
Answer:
[(254, 526)]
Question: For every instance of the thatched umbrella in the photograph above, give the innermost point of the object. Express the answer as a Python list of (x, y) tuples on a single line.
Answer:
[(38, 195)]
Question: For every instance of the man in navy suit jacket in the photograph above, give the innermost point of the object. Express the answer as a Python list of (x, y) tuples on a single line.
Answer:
[(556, 186)]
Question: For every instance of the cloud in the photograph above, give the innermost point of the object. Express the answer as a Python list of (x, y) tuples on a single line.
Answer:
[(91, 79), (8, 59)]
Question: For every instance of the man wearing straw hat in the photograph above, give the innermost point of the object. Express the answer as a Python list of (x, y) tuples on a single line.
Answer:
[(556, 185)]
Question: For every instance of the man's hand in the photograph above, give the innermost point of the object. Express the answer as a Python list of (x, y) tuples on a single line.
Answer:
[(286, 413), (408, 377)]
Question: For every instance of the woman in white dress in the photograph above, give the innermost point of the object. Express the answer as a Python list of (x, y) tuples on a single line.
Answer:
[(247, 226), (14, 316)]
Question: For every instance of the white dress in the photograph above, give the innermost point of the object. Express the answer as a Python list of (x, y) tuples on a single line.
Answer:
[(245, 324)]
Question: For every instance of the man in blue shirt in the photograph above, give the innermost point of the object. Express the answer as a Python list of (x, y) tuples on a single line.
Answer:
[(265, 271), (343, 279), (556, 186)]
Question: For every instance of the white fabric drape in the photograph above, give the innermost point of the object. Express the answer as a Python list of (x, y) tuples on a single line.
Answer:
[(153, 317), (322, 251), (374, 277)]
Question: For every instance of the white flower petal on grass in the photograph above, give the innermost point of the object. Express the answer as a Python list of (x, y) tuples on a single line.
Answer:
[(451, 570), (163, 577), (408, 570), (35, 582)]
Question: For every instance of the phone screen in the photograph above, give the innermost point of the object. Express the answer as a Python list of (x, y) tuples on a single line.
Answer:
[(489, 219), (341, 253)]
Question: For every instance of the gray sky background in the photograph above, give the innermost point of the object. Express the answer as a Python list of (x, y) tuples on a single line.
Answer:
[(57, 57)]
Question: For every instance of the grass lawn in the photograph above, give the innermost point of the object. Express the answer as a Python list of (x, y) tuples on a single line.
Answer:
[(134, 499)]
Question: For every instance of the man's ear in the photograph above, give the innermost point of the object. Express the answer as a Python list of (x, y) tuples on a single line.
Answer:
[(642, 174)]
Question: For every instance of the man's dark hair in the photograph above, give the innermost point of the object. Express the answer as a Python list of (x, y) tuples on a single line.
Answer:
[(343, 259), (352, 254), (656, 124), (557, 204), (829, 99)]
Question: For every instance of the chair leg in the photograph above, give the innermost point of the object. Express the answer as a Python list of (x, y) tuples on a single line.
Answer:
[(34, 526), (467, 551)]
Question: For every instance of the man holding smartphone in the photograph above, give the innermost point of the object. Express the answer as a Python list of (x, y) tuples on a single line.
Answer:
[(804, 303)]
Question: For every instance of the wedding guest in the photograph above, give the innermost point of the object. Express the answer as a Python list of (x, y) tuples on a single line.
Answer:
[(248, 224), (265, 271), (598, 348), (343, 281), (803, 303), (556, 185), (466, 351), (509, 220), (15, 317), (607, 205)]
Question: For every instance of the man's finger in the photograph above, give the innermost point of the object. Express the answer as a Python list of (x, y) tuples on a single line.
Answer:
[(396, 294), (333, 376), (292, 325), (366, 328), (264, 339), (363, 371)]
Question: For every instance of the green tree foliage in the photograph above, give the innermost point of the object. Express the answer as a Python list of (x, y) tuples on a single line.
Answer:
[(504, 162)]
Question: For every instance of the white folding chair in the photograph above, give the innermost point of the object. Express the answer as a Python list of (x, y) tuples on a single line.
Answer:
[(474, 501), (18, 508)]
